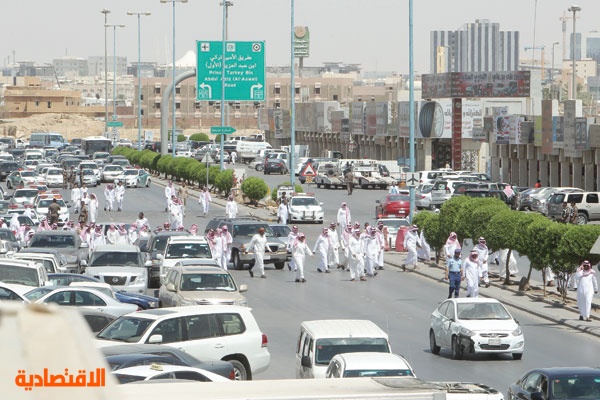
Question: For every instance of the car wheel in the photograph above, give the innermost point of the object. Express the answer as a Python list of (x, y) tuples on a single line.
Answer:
[(435, 349), (431, 207), (581, 219), (236, 260), (517, 356), (8, 184), (239, 370), (259, 167), (279, 265), (457, 350)]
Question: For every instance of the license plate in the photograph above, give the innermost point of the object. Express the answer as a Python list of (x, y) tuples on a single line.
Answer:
[(494, 342), (266, 257)]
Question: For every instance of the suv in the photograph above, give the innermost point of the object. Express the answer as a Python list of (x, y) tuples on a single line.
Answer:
[(155, 246), (200, 284), (67, 243), (6, 167), (121, 266), (23, 272), (242, 230), (180, 248), (228, 333), (304, 207), (588, 205)]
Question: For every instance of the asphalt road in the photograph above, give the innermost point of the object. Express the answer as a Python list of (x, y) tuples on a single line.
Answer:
[(398, 302)]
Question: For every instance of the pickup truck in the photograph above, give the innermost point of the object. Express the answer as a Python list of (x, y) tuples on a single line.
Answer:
[(366, 176), (329, 176)]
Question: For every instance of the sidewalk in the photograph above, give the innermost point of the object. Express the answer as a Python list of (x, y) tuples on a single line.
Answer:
[(531, 301)]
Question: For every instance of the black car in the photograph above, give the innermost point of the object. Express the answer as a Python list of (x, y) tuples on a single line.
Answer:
[(275, 165), (223, 368), (557, 384), (120, 361)]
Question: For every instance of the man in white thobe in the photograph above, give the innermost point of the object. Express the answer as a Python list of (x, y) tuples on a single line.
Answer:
[(258, 244), (299, 251), (411, 241), (587, 285), (482, 257), (321, 249), (169, 193), (356, 256), (471, 273)]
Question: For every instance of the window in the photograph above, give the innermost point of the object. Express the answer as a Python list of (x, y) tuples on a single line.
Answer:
[(178, 106), (142, 97), (177, 90), (88, 299), (170, 330), (277, 89), (61, 298), (335, 97), (277, 104), (49, 104), (156, 105), (201, 327), (297, 90), (231, 324), (317, 90), (198, 105), (37, 103), (157, 90), (592, 198)]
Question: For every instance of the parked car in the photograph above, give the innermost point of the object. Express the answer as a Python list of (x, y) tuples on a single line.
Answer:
[(156, 245), (228, 333), (22, 272), (499, 194), (180, 248), (423, 197), (557, 383), (393, 205), (89, 298), (275, 165), (188, 285), (161, 371), (128, 354), (393, 226), (67, 242), (588, 205), (121, 266), (368, 365), (22, 178), (475, 325)]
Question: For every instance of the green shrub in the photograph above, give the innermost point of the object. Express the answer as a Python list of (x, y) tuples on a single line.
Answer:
[(224, 181), (200, 137), (164, 164), (213, 171), (181, 138), (254, 188)]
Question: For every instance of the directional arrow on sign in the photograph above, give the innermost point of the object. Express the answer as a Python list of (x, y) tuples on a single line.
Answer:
[(221, 130), (258, 86)]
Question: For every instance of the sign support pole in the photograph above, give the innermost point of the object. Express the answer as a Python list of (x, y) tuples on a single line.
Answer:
[(292, 98), (411, 107), (223, 83)]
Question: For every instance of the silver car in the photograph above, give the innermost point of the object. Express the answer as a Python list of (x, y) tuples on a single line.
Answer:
[(423, 197)]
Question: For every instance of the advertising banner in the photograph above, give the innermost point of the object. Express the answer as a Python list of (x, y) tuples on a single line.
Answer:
[(456, 134), (581, 133), (558, 133), (547, 127), (301, 41), (501, 123), (306, 117), (476, 84), (357, 118)]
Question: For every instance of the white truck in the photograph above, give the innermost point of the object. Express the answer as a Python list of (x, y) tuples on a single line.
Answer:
[(367, 176), (329, 176), (248, 150)]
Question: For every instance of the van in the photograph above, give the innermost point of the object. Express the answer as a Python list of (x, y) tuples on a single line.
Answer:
[(320, 340), (43, 139)]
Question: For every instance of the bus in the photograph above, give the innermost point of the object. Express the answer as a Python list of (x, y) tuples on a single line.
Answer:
[(47, 139), (93, 144)]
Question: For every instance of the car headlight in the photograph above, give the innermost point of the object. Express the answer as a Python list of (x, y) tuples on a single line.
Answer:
[(466, 332), (153, 304), (71, 259), (186, 302), (242, 303), (517, 332)]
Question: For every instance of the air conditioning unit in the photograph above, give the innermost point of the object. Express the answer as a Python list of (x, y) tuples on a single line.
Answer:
[(237, 114), (157, 114), (197, 114)]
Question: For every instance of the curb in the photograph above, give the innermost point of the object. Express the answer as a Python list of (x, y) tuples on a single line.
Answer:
[(519, 306)]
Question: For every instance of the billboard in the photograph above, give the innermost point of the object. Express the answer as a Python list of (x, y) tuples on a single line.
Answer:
[(306, 117), (357, 118), (301, 41), (476, 84), (581, 133), (323, 112), (558, 133)]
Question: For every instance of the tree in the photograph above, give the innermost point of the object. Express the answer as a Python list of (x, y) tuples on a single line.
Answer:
[(449, 214), (200, 137), (429, 222), (164, 163), (539, 247), (502, 232), (254, 188), (181, 138), (474, 215), (224, 181)]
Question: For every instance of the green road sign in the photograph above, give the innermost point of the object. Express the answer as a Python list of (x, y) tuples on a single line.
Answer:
[(114, 124), (221, 130), (244, 71)]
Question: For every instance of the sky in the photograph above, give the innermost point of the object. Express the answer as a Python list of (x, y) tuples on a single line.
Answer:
[(373, 33)]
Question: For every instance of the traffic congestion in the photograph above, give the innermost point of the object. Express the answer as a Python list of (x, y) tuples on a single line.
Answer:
[(165, 273)]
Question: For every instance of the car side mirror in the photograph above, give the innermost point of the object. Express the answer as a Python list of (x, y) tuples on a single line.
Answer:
[(84, 245), (83, 263), (148, 263), (305, 362), (155, 339), (159, 256), (170, 287), (243, 288)]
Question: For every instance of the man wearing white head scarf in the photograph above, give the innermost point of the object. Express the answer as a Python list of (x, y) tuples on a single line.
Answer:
[(321, 249), (343, 216), (299, 252), (356, 256), (411, 241), (231, 208), (587, 285)]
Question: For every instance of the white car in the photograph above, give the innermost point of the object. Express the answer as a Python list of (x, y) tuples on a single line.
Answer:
[(220, 332), (179, 248), (161, 371), (393, 225), (24, 196), (368, 365), (111, 172), (475, 325), (423, 197), (54, 177), (41, 207), (88, 298), (91, 165), (305, 208)]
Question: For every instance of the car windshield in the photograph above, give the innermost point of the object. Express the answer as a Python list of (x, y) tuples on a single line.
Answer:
[(281, 231), (201, 282), (46, 203), (54, 172), (250, 230), (131, 172), (188, 250), (38, 293), (395, 223), (25, 193), (397, 197), (113, 168), (61, 241), (327, 348), (481, 311), (7, 235), (19, 275), (125, 329), (27, 173), (115, 259), (88, 165), (374, 373), (304, 201), (124, 378), (48, 264)]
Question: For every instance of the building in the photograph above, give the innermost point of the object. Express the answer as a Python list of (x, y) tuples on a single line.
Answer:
[(478, 46), (96, 65), (69, 67), (592, 44), (577, 46)]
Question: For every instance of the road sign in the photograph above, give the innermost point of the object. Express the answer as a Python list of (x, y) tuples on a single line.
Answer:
[(412, 178), (308, 170), (244, 71), (114, 124), (221, 130)]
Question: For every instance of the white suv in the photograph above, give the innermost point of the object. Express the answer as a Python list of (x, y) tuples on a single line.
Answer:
[(228, 333), (179, 248)]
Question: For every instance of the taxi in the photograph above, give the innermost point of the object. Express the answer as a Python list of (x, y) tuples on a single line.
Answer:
[(43, 201), (303, 207), (135, 177)]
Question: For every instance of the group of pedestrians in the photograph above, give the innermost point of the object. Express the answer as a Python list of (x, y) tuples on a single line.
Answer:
[(114, 194)]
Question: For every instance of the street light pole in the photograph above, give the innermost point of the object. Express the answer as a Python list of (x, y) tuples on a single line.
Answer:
[(174, 127), (226, 4), (139, 94), (411, 104), (105, 12), (115, 26), (223, 39), (574, 10), (552, 69), (292, 98)]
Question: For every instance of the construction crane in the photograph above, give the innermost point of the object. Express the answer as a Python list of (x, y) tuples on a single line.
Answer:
[(542, 58), (564, 20)]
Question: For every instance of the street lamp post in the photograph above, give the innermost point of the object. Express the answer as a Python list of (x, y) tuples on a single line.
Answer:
[(139, 76), (574, 10), (174, 127), (226, 4), (105, 12), (552, 69), (115, 26), (292, 97)]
